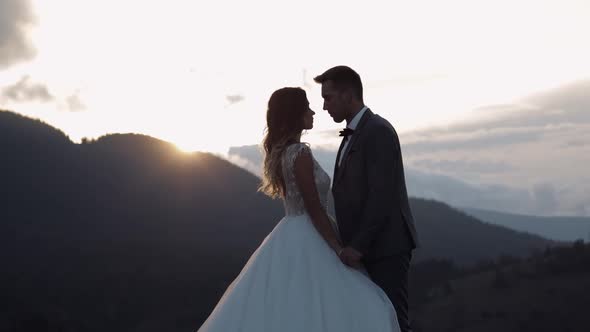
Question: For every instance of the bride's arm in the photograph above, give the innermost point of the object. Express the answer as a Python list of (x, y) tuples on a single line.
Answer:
[(303, 169)]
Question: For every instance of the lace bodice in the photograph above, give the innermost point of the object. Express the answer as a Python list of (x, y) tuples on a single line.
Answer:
[(293, 201)]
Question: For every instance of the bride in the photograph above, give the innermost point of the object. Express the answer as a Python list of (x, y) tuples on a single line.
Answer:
[(295, 280)]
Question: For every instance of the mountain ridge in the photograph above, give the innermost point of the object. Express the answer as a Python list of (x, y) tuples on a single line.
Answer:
[(105, 231), (558, 228)]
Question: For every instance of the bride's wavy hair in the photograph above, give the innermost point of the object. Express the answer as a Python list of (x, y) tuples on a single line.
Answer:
[(284, 124)]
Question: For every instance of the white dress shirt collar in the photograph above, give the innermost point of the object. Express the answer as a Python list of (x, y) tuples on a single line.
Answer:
[(357, 118)]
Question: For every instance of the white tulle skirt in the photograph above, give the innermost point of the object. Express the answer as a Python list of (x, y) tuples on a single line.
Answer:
[(295, 282)]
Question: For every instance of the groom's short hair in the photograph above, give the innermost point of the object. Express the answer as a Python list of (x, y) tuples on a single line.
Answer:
[(343, 78)]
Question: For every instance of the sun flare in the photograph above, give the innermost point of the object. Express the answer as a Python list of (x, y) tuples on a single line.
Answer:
[(173, 80)]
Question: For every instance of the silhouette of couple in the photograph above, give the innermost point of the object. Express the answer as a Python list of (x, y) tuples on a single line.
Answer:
[(312, 273)]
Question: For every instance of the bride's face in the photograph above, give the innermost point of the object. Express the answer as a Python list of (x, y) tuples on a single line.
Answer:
[(308, 118)]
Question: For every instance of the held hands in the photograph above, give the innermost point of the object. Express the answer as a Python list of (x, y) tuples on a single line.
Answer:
[(350, 257)]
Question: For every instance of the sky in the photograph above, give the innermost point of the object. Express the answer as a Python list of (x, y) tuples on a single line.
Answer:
[(477, 89), (170, 68)]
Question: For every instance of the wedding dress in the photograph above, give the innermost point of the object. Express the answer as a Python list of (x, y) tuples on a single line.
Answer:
[(294, 282)]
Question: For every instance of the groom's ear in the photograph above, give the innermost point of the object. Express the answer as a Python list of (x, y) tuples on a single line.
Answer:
[(347, 95)]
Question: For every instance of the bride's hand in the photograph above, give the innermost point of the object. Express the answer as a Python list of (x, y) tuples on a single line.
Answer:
[(350, 257)]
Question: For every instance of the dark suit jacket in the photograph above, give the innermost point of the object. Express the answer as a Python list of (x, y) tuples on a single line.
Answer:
[(370, 196)]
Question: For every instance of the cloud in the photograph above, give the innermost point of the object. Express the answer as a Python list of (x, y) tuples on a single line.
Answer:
[(467, 166), (474, 139), (248, 157), (572, 99), (74, 103), (577, 143), (26, 91), (234, 99), (552, 125), (245, 163), (16, 16), (563, 105), (538, 144), (459, 193), (531, 119), (545, 197)]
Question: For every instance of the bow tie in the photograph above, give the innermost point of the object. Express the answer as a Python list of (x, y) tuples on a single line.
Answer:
[(346, 132)]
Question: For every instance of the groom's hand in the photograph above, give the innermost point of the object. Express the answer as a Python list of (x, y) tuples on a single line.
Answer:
[(351, 257)]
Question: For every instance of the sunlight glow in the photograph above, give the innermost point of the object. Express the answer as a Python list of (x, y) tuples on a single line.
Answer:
[(165, 68)]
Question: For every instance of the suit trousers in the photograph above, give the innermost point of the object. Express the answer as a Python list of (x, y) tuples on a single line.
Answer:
[(391, 274)]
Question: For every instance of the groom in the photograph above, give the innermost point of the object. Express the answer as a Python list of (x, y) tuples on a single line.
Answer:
[(372, 210)]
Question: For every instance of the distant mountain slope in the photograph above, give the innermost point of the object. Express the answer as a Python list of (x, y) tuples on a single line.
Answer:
[(100, 236), (126, 233), (555, 228), (447, 233), (544, 293)]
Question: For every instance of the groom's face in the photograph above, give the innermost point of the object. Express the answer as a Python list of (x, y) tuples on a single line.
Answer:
[(334, 102)]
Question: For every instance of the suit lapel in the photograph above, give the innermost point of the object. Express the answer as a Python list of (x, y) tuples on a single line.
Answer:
[(339, 170), (337, 158)]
